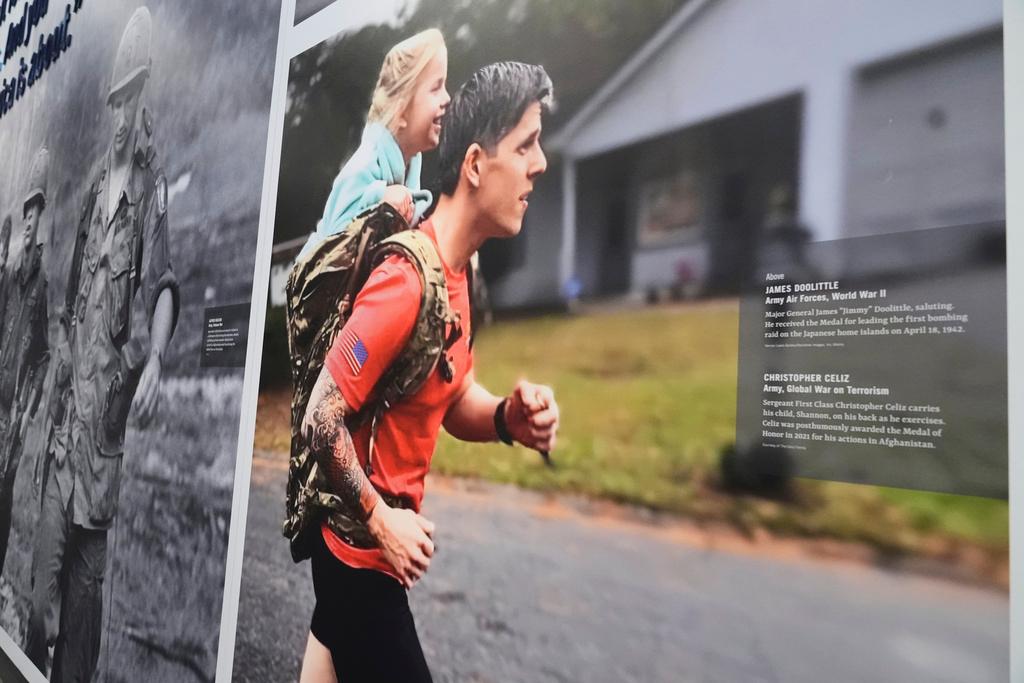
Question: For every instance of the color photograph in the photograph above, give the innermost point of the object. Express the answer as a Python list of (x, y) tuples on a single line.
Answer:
[(592, 188)]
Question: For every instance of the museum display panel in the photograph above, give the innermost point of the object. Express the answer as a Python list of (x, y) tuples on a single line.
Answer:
[(747, 260)]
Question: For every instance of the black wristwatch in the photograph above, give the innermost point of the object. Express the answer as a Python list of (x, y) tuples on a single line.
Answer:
[(500, 428)]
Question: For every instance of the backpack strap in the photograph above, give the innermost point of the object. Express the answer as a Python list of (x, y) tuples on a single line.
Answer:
[(436, 328), (437, 324), (71, 290), (149, 184)]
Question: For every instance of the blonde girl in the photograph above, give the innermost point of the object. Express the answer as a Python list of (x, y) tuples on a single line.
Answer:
[(403, 122)]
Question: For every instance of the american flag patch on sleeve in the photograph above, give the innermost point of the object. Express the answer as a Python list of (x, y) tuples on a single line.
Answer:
[(354, 350)]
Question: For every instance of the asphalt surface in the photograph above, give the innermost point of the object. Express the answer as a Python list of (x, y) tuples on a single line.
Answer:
[(523, 588)]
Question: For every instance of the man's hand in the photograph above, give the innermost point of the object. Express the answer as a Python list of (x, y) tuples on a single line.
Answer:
[(405, 538), (399, 197), (531, 415), (148, 395)]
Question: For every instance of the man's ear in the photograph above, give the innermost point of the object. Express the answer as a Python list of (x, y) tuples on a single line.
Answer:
[(471, 165)]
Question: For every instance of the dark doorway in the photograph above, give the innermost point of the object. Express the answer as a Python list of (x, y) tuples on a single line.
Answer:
[(731, 244), (616, 255)]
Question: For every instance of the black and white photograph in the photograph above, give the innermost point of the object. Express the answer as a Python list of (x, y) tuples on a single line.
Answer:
[(133, 148)]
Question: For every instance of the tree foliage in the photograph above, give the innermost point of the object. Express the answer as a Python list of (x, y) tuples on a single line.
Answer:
[(580, 42)]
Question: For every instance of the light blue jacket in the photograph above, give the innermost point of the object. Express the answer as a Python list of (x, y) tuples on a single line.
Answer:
[(360, 184)]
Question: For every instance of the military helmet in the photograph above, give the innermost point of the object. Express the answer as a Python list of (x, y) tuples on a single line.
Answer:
[(132, 63), (37, 179)]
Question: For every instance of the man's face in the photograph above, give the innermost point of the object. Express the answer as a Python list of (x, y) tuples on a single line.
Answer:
[(507, 175), (124, 105), (31, 224)]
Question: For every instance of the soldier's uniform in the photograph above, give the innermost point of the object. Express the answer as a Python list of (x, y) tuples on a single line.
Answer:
[(120, 267), (6, 390), (5, 269), (24, 352)]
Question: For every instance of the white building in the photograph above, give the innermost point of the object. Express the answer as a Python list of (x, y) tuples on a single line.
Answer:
[(878, 116)]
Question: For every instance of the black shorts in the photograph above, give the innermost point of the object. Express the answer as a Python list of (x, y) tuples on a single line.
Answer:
[(362, 616)]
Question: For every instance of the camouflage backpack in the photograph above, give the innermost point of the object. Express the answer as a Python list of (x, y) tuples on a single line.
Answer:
[(321, 291)]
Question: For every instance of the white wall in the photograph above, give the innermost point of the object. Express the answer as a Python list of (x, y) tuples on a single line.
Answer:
[(736, 53), (279, 273), (926, 138)]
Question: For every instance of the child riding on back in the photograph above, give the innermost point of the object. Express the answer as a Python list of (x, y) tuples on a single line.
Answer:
[(403, 122)]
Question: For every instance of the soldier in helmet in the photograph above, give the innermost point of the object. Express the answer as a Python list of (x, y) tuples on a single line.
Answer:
[(120, 308), (25, 350), (8, 376)]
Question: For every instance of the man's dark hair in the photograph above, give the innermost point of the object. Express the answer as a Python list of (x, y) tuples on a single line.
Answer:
[(485, 109)]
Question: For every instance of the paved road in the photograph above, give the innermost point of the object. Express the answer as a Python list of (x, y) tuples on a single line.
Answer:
[(528, 591)]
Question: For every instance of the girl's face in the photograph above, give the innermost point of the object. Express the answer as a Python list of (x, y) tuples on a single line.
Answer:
[(422, 117)]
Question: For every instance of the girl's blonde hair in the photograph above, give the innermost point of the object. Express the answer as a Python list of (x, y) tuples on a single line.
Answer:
[(398, 75)]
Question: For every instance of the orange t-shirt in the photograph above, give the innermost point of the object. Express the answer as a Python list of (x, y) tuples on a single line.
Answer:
[(382, 319)]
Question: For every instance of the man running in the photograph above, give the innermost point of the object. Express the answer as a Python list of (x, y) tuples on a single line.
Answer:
[(490, 157)]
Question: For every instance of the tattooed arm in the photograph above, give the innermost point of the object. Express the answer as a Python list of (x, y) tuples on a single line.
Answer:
[(404, 536), (331, 444)]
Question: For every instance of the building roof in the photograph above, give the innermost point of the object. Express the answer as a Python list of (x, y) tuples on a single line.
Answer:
[(677, 22), (713, 57)]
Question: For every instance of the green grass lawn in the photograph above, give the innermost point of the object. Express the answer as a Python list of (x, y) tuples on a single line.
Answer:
[(647, 398), (648, 401)]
